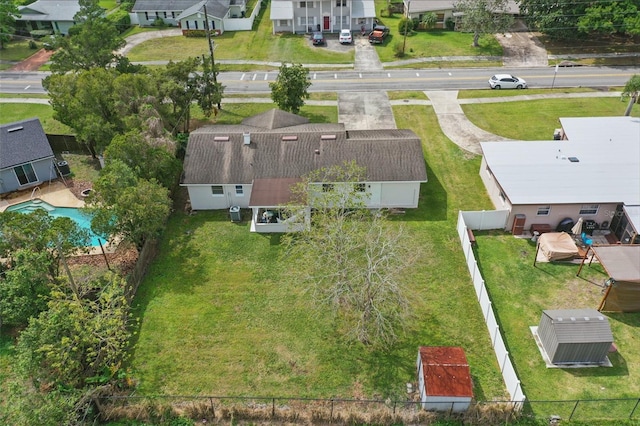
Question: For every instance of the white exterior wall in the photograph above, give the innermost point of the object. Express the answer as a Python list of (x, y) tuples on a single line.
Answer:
[(494, 190), (202, 198), (399, 194), (142, 20), (195, 22), (446, 403)]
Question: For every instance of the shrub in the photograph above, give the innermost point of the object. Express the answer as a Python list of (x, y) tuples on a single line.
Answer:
[(159, 22), (194, 33), (120, 19), (127, 5), (398, 49), (33, 45), (405, 25), (450, 24)]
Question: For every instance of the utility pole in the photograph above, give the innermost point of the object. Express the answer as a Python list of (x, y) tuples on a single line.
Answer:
[(213, 63)]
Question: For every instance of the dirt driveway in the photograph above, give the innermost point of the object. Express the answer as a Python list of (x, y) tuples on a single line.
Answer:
[(33, 62), (522, 48)]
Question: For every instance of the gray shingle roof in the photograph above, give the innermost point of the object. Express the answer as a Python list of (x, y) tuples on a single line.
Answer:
[(162, 5), (387, 155), (215, 8), (49, 10), (22, 142), (275, 119)]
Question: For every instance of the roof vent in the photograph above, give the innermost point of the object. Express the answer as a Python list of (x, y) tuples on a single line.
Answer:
[(246, 138), (14, 129), (328, 137), (290, 138), (574, 159), (221, 138)]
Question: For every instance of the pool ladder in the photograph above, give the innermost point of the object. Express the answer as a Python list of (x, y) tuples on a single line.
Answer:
[(34, 191)]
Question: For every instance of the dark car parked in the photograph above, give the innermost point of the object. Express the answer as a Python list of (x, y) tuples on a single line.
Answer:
[(317, 38)]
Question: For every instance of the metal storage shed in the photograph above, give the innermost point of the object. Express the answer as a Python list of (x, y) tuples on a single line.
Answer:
[(575, 336), (444, 379)]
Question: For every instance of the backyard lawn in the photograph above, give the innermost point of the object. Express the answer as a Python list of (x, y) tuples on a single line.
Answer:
[(219, 300), (16, 112)]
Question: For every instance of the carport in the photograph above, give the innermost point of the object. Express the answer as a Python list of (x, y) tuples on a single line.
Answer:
[(622, 265)]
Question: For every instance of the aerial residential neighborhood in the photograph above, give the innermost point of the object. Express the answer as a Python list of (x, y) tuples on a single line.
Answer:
[(319, 212)]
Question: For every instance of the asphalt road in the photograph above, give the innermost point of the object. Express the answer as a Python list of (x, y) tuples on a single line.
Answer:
[(395, 79)]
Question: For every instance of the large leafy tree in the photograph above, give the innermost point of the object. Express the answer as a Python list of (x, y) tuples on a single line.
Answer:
[(90, 44), (8, 14), (611, 17), (483, 17), (178, 83), (555, 18), (39, 232), (149, 158), (78, 339), (24, 288), (351, 258), (128, 206), (632, 91), (290, 88)]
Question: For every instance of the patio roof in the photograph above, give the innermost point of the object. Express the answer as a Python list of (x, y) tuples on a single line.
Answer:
[(272, 192), (622, 262)]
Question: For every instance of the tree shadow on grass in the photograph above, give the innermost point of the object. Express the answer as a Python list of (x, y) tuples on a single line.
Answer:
[(432, 204)]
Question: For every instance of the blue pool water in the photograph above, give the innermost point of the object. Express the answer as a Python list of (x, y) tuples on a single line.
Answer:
[(82, 219)]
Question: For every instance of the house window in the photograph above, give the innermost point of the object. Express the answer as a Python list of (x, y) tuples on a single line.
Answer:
[(187, 24), (306, 21), (502, 197), (304, 4), (165, 15), (239, 190), (173, 15), (327, 187), (195, 24), (217, 190), (157, 15), (543, 210), (25, 174), (283, 23), (589, 209), (341, 3), (488, 171), (360, 187), (342, 20), (146, 16)]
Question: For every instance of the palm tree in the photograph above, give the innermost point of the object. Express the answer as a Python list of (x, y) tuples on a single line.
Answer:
[(632, 90)]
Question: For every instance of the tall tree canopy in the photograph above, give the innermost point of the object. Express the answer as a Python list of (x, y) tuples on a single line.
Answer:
[(124, 204), (91, 42), (564, 19), (290, 88), (8, 14), (351, 258), (483, 17)]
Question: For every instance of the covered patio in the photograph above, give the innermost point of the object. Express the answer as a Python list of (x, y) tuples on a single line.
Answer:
[(268, 198)]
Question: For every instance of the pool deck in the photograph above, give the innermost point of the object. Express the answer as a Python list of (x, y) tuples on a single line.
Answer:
[(54, 193)]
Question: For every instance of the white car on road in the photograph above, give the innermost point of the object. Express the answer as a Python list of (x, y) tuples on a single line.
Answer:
[(345, 37), (507, 81)]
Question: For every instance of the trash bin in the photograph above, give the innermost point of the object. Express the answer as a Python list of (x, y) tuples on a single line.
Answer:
[(63, 168), (234, 212)]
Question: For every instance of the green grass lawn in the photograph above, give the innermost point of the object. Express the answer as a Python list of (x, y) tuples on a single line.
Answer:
[(537, 119), (218, 300), (520, 292), (16, 112), (15, 51)]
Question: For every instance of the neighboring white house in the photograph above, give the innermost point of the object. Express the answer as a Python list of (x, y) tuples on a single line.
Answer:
[(593, 173), (223, 15), (444, 379), (53, 15), (26, 157), (254, 164), (331, 16), (444, 9)]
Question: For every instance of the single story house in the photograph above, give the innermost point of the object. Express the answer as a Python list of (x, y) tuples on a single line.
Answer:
[(444, 379), (254, 164), (593, 172), (53, 15), (444, 9), (298, 17), (189, 14), (27, 158), (575, 336)]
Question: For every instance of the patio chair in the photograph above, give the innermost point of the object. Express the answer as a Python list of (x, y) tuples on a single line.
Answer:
[(586, 240)]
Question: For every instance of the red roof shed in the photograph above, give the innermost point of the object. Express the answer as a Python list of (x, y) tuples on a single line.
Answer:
[(444, 378)]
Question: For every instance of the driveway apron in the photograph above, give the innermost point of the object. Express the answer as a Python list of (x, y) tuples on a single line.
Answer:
[(521, 48)]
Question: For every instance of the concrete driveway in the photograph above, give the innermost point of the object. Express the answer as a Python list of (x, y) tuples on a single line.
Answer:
[(365, 111), (522, 48)]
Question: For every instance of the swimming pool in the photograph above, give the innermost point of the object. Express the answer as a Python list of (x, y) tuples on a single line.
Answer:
[(82, 219)]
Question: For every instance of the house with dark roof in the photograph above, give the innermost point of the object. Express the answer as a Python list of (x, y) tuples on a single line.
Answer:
[(26, 158), (254, 164), (189, 15), (444, 10), (55, 16), (299, 17)]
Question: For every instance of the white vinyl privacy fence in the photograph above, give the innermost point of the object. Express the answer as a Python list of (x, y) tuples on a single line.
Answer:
[(478, 221)]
